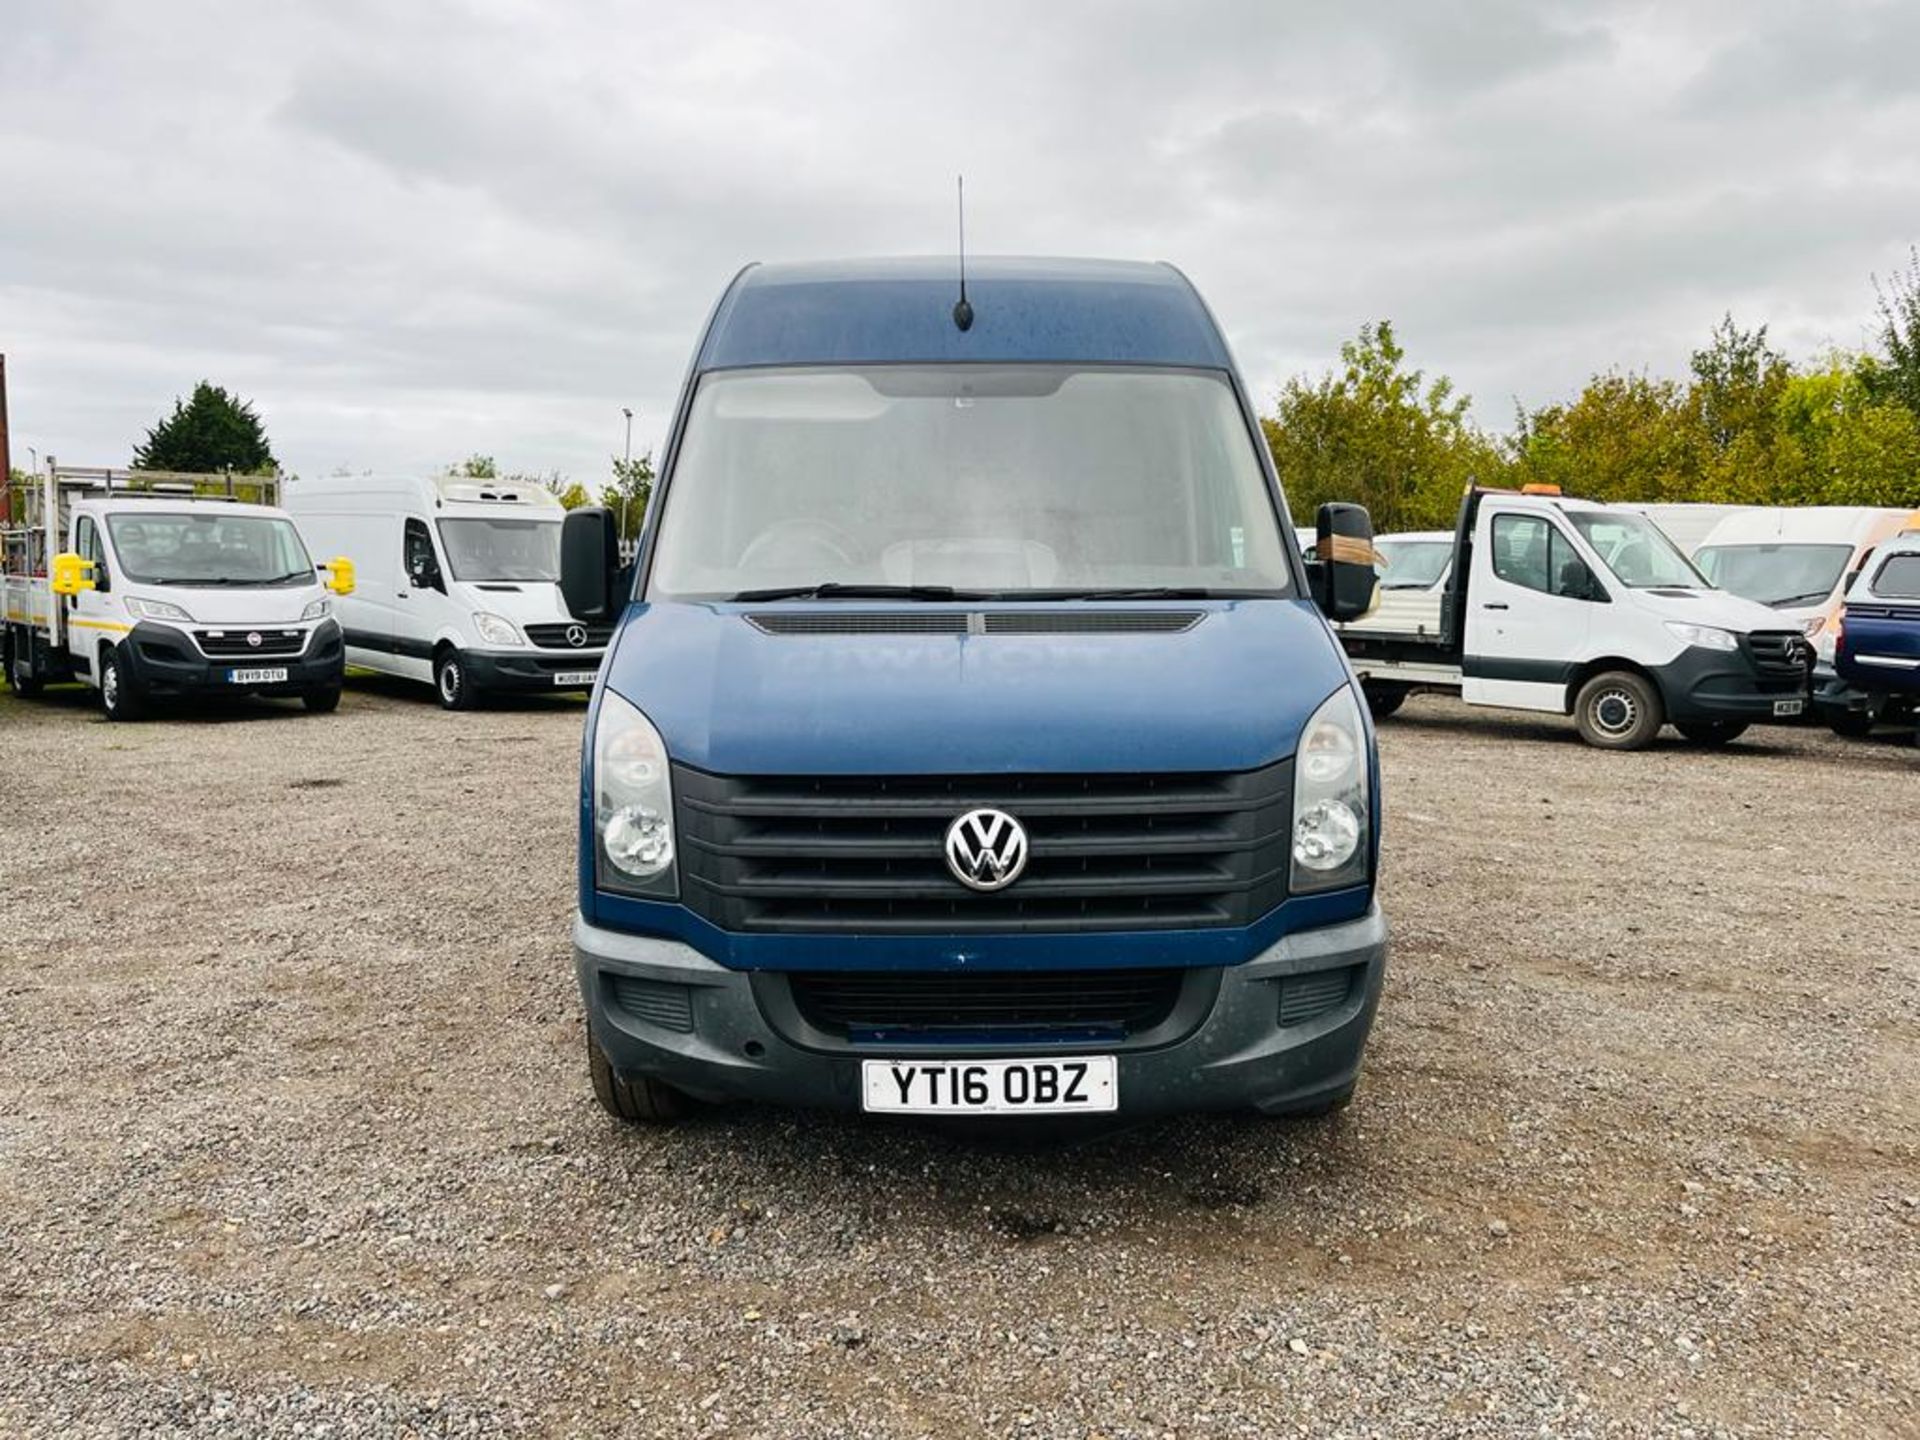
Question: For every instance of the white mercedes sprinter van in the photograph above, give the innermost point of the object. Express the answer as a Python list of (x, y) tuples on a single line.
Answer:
[(457, 582)]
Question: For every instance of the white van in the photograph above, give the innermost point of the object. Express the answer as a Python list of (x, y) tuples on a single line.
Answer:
[(1798, 560), (457, 582), (1687, 523), (1590, 611)]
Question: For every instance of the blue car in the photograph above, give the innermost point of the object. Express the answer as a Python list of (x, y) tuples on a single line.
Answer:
[(1878, 654), (972, 740)]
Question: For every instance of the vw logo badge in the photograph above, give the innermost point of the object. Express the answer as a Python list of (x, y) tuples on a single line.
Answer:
[(986, 849), (253, 638), (576, 635)]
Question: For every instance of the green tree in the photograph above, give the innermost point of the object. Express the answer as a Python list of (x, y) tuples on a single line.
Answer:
[(1899, 302), (476, 467), (570, 493), (1381, 434), (628, 494), (213, 431), (1850, 445), (1625, 437)]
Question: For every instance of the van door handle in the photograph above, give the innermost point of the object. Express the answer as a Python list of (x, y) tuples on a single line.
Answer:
[(1493, 604)]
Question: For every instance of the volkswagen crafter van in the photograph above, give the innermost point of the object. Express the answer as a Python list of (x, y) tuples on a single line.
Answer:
[(973, 741)]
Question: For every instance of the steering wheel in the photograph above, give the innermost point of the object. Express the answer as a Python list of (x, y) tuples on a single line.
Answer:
[(800, 542)]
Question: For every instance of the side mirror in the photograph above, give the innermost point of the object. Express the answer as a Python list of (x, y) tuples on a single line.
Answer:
[(339, 571), (1577, 582), (589, 563), (71, 574), (1342, 574)]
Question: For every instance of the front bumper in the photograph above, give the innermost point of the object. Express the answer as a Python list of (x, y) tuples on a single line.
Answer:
[(1705, 685), (530, 671), (725, 1035), (164, 662)]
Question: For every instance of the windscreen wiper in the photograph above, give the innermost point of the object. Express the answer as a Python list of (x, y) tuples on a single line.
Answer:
[(835, 590), (1807, 599), (1146, 592)]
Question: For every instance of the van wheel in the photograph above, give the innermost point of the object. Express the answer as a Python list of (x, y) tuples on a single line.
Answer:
[(637, 1100), (450, 682), (322, 702), (1383, 700), (20, 667), (1619, 710), (1712, 732), (1856, 724), (118, 697)]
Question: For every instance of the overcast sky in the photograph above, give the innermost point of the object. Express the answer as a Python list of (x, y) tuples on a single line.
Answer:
[(410, 231)]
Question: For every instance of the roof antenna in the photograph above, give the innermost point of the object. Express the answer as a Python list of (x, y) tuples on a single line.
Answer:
[(962, 311)]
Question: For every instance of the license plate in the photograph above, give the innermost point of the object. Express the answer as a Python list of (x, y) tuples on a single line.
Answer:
[(574, 679), (1789, 707), (275, 676), (990, 1087)]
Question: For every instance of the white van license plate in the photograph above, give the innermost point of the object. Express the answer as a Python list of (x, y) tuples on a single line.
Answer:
[(257, 677), (574, 679), (1086, 1083), (1789, 707)]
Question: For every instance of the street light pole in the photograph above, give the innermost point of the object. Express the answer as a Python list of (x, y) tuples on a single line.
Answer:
[(626, 476)]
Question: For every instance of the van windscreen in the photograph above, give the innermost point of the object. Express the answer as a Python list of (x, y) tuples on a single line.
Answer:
[(987, 479), (1775, 574), (489, 549)]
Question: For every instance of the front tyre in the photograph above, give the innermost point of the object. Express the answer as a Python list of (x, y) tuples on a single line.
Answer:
[(118, 695), (1857, 724), (1619, 710), (322, 702), (1383, 700), (638, 1100), (452, 683), (1711, 732)]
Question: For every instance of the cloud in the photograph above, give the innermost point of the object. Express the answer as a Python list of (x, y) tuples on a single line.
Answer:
[(410, 232)]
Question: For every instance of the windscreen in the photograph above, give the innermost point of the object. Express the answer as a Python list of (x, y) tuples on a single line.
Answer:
[(993, 479), (1775, 574), (1636, 550), (209, 548), (502, 549), (1411, 564)]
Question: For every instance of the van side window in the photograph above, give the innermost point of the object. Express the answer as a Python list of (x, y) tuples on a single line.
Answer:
[(1530, 551), (419, 558)]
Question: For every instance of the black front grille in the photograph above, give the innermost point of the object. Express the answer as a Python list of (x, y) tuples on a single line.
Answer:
[(1070, 621), (866, 853), (1780, 654), (1062, 620), (861, 622), (237, 644), (554, 637), (1116, 1002)]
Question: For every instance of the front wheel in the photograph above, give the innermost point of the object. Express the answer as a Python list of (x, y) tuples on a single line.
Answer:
[(1383, 700), (1712, 732), (1856, 724), (637, 1099), (1619, 710), (118, 697), (452, 683), (322, 702)]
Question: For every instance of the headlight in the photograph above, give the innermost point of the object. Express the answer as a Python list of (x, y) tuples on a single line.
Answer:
[(1705, 636), (156, 610), (632, 803), (317, 609), (493, 630), (1331, 815)]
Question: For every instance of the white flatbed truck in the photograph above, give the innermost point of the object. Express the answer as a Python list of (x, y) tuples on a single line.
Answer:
[(1564, 606), (148, 585)]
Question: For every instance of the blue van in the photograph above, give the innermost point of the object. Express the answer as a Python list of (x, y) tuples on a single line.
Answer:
[(972, 740)]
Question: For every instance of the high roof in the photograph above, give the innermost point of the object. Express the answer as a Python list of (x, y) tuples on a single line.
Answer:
[(848, 312)]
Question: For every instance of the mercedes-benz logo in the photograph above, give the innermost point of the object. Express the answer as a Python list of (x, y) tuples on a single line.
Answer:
[(986, 849), (576, 635), (253, 638)]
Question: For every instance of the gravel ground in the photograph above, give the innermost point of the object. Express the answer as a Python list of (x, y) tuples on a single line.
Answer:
[(295, 1135)]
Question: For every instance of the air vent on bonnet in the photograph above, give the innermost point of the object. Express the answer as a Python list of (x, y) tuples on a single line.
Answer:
[(985, 622)]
